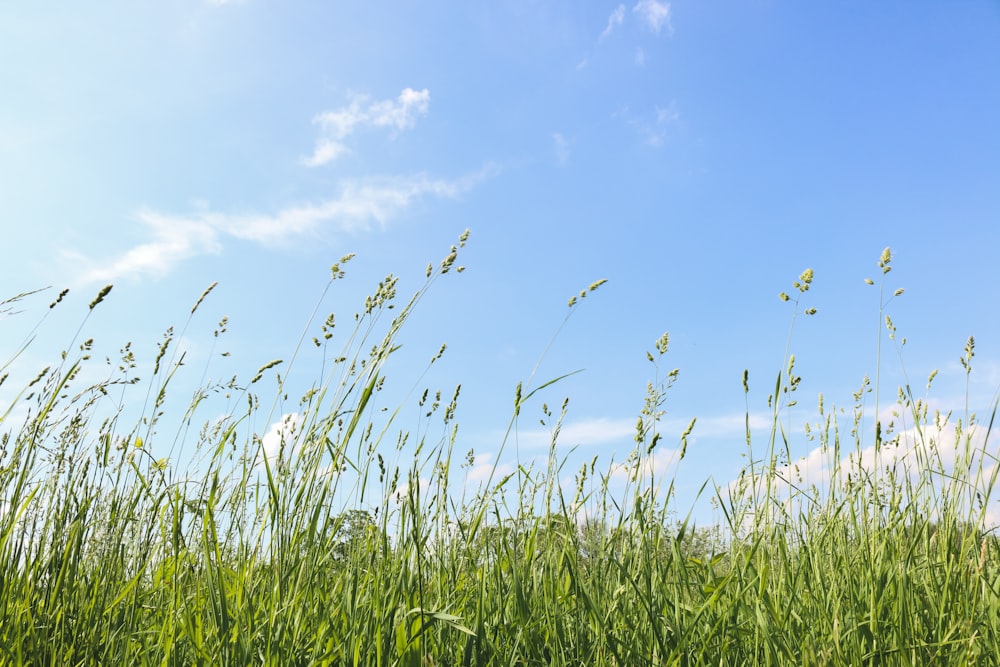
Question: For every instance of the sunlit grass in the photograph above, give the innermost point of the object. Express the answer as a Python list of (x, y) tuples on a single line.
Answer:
[(343, 538)]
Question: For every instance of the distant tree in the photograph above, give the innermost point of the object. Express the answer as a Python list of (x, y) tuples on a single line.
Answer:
[(356, 532)]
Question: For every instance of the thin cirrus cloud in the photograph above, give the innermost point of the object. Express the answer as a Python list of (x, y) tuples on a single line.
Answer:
[(562, 147), (358, 207), (656, 15), (621, 431), (653, 14), (396, 115), (595, 431), (616, 18), (173, 240), (654, 128)]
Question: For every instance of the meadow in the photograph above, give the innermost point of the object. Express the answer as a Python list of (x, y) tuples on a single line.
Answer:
[(116, 549)]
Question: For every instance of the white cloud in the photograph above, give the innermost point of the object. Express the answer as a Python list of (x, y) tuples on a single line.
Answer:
[(597, 431), (174, 239), (403, 490), (640, 56), (562, 148), (358, 206), (280, 438), (614, 20), (483, 466), (932, 453), (655, 465), (397, 115), (605, 430), (326, 150), (656, 15), (728, 425), (667, 114), (653, 127), (400, 114)]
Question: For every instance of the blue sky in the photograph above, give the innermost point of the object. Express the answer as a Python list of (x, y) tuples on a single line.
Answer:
[(697, 155)]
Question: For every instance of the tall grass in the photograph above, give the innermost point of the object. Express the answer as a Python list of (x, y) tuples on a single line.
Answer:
[(347, 540)]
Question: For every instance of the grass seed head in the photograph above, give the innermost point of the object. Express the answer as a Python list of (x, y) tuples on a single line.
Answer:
[(203, 295), (885, 259), (662, 343), (100, 296), (260, 371), (59, 298), (595, 285)]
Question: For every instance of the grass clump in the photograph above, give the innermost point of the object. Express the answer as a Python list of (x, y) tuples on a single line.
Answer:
[(342, 537)]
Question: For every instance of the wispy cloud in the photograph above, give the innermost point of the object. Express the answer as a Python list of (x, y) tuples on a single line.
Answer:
[(725, 426), (596, 431), (616, 18), (395, 114), (562, 147), (174, 239), (358, 207), (655, 465), (656, 15), (483, 466), (326, 150), (657, 132), (621, 431), (655, 127)]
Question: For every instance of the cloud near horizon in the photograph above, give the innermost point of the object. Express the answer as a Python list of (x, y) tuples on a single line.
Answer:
[(584, 432), (930, 452), (654, 465), (398, 115), (280, 437), (360, 205), (483, 466), (607, 430)]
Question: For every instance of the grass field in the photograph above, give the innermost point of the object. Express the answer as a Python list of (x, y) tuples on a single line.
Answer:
[(324, 552)]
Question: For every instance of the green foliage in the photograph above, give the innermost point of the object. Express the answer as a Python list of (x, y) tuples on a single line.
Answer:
[(320, 551)]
